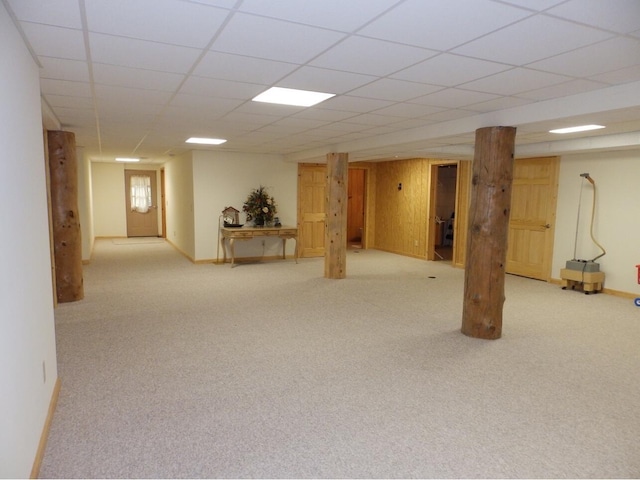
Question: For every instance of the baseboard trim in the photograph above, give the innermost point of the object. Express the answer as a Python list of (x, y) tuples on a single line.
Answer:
[(608, 291), (37, 463), (180, 251)]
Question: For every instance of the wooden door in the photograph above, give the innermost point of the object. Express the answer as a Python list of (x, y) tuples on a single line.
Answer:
[(141, 222), (312, 186), (355, 205), (533, 213)]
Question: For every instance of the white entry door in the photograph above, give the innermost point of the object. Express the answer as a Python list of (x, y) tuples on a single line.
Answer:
[(141, 203)]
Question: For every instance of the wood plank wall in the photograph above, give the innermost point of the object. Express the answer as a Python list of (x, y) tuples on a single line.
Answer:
[(401, 215)]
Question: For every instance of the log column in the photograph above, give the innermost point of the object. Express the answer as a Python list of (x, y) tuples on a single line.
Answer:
[(67, 245), (335, 256), (488, 231)]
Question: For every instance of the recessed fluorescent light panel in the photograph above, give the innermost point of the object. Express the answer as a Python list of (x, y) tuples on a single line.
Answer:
[(290, 96), (582, 128), (206, 141), (129, 160)]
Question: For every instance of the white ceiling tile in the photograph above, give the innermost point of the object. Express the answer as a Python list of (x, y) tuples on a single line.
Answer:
[(513, 44), (212, 105), (372, 119), (272, 110), (130, 96), (168, 21), (621, 16), (603, 57), (415, 122), (216, 3), (442, 24), (340, 128), (69, 101), (306, 123), (616, 77), (561, 90), (123, 110), (63, 69), (55, 41), (226, 66), (396, 90), (76, 116), (498, 104), (324, 80), (325, 115), (353, 55), (65, 87), (143, 91), (133, 53), (353, 13), (515, 81), (135, 77), (454, 98), (407, 110), (213, 87), (347, 103), (284, 130), (273, 39), (536, 5), (61, 13), (450, 70)]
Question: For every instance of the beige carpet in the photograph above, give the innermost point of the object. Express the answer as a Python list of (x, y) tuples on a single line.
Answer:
[(136, 240), (268, 370)]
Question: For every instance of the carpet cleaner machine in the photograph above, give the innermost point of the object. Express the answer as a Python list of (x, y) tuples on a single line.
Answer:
[(580, 272)]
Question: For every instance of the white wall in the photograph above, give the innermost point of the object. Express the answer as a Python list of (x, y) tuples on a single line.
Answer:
[(179, 203), (109, 203), (27, 336), (617, 219), (223, 179), (85, 204), (108, 197)]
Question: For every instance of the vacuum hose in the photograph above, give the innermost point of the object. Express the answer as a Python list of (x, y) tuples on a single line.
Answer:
[(593, 214)]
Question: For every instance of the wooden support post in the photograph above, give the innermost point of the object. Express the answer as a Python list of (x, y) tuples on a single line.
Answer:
[(335, 256), (488, 231), (67, 245)]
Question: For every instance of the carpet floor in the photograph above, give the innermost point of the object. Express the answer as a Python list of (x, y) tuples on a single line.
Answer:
[(269, 370)]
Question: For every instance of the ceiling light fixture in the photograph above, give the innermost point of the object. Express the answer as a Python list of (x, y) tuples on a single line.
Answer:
[(206, 141), (125, 159), (581, 128), (291, 96)]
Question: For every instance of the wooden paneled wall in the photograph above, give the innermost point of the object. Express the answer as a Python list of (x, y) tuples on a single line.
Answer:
[(401, 210)]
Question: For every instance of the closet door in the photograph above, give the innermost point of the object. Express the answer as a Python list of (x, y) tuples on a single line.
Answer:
[(312, 186), (533, 213)]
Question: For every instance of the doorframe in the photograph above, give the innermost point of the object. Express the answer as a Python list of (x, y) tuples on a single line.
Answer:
[(369, 201), (365, 188), (163, 213), (141, 170), (432, 199)]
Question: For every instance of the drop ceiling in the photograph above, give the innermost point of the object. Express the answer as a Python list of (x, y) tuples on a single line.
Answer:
[(412, 78)]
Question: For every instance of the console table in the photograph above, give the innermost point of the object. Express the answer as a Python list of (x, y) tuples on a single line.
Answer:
[(246, 233)]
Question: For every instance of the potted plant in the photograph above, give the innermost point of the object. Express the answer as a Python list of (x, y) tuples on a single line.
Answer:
[(260, 207)]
